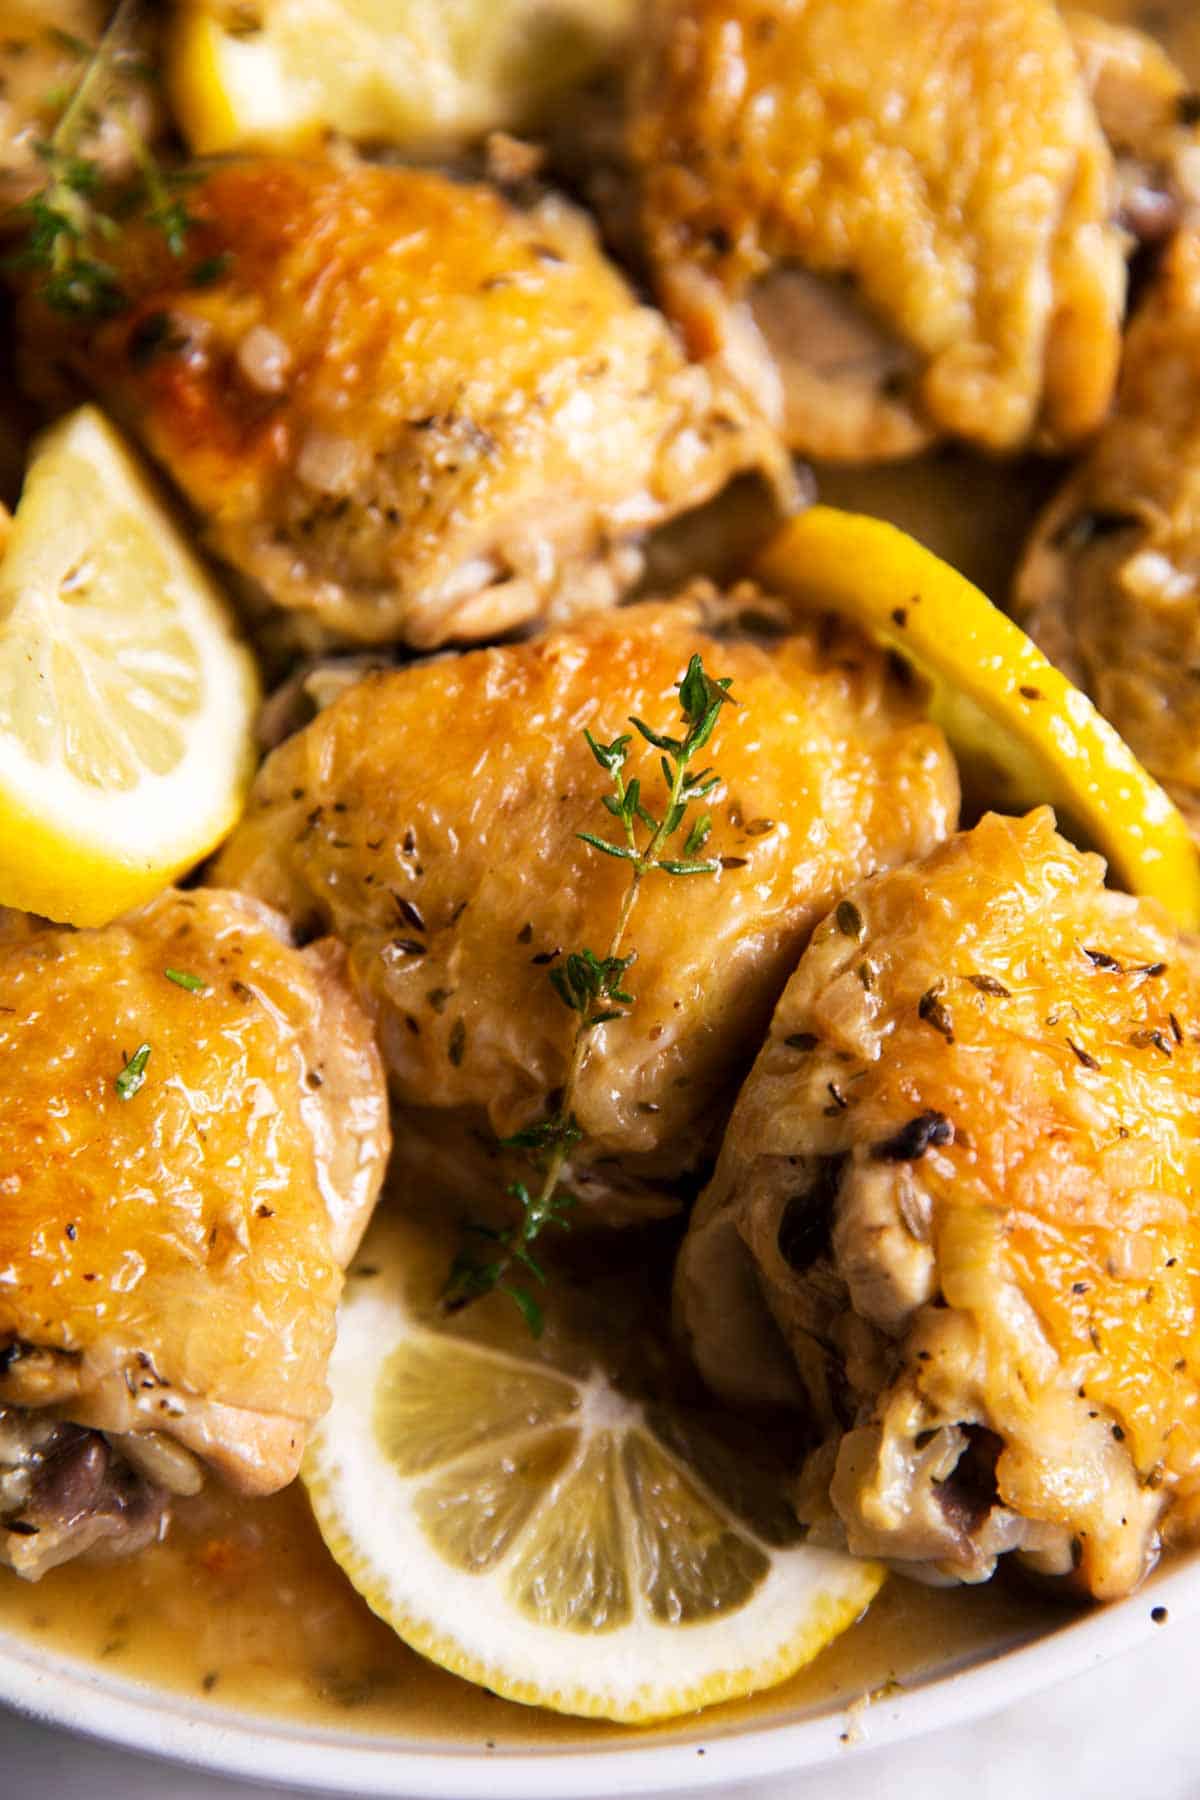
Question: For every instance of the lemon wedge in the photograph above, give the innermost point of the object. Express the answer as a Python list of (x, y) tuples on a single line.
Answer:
[(281, 74), (1023, 735), (126, 703), (523, 1520)]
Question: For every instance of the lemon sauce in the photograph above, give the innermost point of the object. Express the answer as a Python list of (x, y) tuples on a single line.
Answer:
[(244, 1604)]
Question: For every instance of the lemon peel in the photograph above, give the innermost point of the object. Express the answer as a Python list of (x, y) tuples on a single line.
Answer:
[(126, 700), (1024, 736)]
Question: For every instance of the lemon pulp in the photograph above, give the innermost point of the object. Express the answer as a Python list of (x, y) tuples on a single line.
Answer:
[(126, 702)]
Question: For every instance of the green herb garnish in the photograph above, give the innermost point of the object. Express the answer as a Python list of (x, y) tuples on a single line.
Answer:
[(593, 986), (133, 1074), (66, 227), (194, 984), (209, 270)]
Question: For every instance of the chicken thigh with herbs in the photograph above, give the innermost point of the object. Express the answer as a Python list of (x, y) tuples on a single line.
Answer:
[(892, 222), (405, 407), (1110, 584), (955, 1217), (430, 817), (193, 1129)]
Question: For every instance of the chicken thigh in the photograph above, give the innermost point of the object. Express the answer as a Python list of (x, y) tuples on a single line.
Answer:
[(405, 407), (962, 1179), (193, 1127), (893, 222), (430, 817), (1110, 584)]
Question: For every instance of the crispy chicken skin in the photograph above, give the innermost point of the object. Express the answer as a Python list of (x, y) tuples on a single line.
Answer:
[(170, 1261), (894, 222), (962, 1175), (404, 407), (429, 817), (1110, 584)]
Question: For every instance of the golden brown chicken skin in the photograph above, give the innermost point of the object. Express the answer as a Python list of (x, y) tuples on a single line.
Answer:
[(1110, 584), (430, 817), (173, 1222), (404, 407), (894, 222), (962, 1176)]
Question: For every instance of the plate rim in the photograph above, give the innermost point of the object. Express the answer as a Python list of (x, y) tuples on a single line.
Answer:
[(53, 1688)]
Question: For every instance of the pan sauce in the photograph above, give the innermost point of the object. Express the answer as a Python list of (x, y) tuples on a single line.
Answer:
[(244, 1604)]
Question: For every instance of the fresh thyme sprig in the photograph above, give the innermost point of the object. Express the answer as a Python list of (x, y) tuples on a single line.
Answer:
[(66, 227), (593, 986)]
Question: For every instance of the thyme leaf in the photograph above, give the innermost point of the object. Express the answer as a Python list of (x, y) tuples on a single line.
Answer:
[(66, 228), (673, 867), (194, 984), (545, 1134), (699, 835), (599, 843), (591, 985), (133, 1074)]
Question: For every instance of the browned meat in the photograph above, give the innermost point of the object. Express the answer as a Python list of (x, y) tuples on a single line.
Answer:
[(173, 1246), (405, 407), (1110, 584), (892, 222), (429, 817), (954, 1217)]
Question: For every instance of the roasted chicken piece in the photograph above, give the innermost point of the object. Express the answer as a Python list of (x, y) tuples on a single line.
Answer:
[(193, 1127), (892, 222), (430, 816), (962, 1179), (1110, 584), (402, 406)]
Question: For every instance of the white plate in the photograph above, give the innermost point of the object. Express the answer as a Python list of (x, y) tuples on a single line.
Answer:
[(64, 1691)]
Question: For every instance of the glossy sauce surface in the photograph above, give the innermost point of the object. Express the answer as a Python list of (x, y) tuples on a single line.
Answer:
[(243, 1603)]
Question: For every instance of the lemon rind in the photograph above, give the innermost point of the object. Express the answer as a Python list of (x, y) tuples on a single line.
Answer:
[(993, 688), (647, 1704), (82, 855)]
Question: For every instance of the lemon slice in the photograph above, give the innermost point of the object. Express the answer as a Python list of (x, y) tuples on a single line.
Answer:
[(520, 1520), (126, 704), (280, 74), (1024, 736)]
